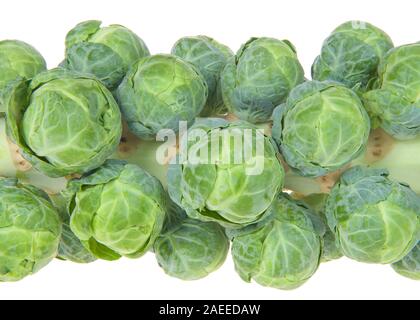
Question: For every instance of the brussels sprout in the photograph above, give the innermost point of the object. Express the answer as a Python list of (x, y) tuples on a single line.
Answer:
[(64, 123), (322, 127), (409, 266), (210, 58), (29, 230), (351, 55), (17, 60), (159, 92), (395, 105), (330, 247), (190, 249), (376, 220), (225, 190), (283, 251), (260, 78), (116, 210), (106, 53)]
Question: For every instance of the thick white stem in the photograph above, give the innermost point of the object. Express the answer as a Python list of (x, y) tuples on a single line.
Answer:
[(401, 158)]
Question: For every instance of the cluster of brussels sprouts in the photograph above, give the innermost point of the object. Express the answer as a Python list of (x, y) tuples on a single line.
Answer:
[(79, 180)]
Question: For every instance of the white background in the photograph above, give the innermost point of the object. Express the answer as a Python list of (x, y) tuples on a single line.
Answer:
[(44, 24)]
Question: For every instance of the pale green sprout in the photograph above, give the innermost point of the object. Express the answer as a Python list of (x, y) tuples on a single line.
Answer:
[(375, 219), (64, 123), (225, 191), (284, 250), (17, 60), (260, 78), (30, 230), (190, 249), (322, 127), (159, 92), (210, 58), (104, 52), (351, 55), (116, 210), (394, 104)]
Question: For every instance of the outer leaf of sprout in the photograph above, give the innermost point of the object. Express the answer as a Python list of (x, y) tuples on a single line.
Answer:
[(409, 266), (330, 247), (70, 248)]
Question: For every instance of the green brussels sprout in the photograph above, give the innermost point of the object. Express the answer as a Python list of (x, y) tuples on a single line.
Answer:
[(106, 53), (351, 55), (409, 266), (330, 248), (17, 60), (63, 122), (395, 104), (70, 247), (260, 78), (190, 249), (222, 189), (30, 230), (322, 127), (283, 251), (210, 58), (160, 91), (116, 210), (375, 219)]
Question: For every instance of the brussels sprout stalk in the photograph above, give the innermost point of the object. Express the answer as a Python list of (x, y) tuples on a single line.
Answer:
[(383, 151), (143, 153)]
